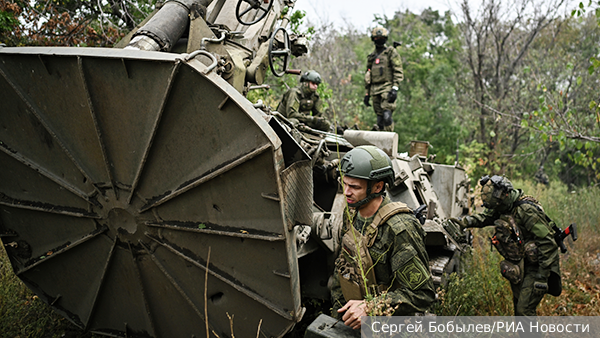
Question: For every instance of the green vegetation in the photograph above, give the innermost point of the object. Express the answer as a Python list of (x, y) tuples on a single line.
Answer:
[(508, 95), (23, 314), (482, 291)]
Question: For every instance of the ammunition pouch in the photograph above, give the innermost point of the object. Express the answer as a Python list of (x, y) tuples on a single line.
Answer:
[(513, 272), (349, 281), (368, 77), (531, 252), (507, 241), (356, 265), (306, 105)]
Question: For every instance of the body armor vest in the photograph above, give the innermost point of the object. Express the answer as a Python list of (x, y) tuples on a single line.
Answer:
[(380, 68), (355, 265)]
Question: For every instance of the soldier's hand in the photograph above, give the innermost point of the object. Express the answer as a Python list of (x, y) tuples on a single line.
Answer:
[(366, 100), (354, 309), (540, 287), (392, 95), (460, 221)]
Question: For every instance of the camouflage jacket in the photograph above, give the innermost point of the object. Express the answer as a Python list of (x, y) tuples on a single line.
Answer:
[(400, 262), (533, 226), (384, 70), (300, 104)]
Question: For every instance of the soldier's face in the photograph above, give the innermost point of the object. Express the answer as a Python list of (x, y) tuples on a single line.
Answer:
[(355, 189), (312, 86)]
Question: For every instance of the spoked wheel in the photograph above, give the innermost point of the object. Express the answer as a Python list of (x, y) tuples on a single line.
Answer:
[(136, 192), (281, 53), (255, 8)]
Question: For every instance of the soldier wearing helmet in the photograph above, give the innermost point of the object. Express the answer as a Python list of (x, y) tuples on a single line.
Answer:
[(383, 76), (303, 105), (524, 236), (385, 237)]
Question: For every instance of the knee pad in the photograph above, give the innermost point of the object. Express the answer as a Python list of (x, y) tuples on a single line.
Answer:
[(387, 118)]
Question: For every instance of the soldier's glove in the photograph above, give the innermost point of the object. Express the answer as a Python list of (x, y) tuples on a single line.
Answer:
[(392, 95), (540, 287), (366, 100)]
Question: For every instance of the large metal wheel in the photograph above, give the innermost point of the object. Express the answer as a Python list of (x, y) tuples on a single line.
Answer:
[(125, 175), (279, 56), (255, 7)]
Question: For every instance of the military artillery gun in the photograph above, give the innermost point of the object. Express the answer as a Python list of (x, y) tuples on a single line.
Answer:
[(141, 193)]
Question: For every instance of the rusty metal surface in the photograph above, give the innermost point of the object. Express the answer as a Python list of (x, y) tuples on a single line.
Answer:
[(121, 170)]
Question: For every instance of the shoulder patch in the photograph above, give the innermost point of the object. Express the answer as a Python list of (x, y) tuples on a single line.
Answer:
[(413, 274)]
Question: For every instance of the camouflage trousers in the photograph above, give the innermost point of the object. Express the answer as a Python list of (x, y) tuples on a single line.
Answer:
[(381, 104), (524, 299)]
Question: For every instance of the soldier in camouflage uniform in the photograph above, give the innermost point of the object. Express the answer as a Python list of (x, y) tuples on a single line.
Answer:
[(524, 236), (384, 74), (390, 241), (302, 104)]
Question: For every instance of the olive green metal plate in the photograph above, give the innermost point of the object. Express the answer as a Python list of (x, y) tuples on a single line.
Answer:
[(124, 174)]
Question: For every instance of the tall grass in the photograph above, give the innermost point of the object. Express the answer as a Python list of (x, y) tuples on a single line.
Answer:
[(480, 290)]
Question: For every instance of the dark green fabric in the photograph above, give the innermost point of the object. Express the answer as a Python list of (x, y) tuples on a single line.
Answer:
[(400, 260), (531, 221), (304, 106), (386, 71)]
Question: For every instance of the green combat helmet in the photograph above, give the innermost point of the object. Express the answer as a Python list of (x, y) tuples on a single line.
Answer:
[(379, 31), (369, 163), (494, 190), (311, 76)]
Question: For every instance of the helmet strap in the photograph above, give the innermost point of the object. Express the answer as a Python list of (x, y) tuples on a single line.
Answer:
[(369, 197)]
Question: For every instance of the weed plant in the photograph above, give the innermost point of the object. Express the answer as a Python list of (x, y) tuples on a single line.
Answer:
[(480, 290)]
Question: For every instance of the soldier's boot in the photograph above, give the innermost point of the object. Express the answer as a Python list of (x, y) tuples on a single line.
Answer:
[(380, 123), (387, 121)]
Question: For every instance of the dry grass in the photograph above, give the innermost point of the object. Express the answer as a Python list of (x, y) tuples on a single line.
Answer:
[(481, 291)]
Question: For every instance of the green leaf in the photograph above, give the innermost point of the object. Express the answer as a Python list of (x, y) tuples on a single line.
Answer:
[(492, 134), (579, 80), (524, 124), (201, 226), (544, 137)]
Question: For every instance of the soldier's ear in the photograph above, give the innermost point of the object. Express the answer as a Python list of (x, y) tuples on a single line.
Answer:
[(378, 187)]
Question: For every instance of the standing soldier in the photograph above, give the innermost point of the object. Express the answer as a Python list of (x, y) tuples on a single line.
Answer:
[(524, 236), (382, 244), (302, 104), (384, 74)]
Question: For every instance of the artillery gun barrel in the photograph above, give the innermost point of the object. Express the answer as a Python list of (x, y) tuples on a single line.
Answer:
[(166, 27)]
